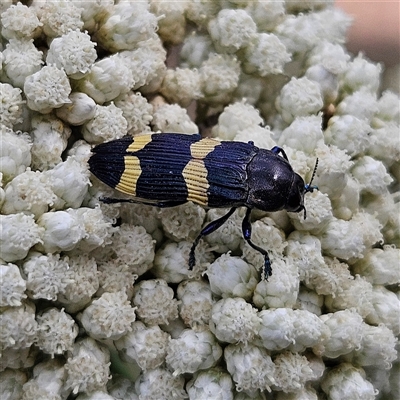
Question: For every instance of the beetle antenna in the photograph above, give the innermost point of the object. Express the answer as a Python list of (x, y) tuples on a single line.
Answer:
[(308, 187)]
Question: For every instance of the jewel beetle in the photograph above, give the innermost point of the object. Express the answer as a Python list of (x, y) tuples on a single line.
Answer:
[(169, 169)]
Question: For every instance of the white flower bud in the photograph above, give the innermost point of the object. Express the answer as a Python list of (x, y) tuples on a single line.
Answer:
[(219, 78), (115, 277), (349, 239), (15, 153), (333, 170), (299, 98), (82, 283), (56, 331), (173, 118), (296, 329), (351, 292), (47, 381), (229, 235), (327, 81), (308, 300), (303, 32), (73, 52), (386, 308), (181, 85), (137, 112), (11, 105), (331, 56), (126, 26), (377, 266), (146, 346), (107, 124), (250, 367), (305, 250), (183, 221), (147, 63), (12, 286), (11, 382), (292, 371), (261, 137), (59, 17), (171, 261), (18, 233), (267, 235), (82, 109), (29, 192), (108, 78), (18, 327), (211, 384), (372, 175), (21, 59), (50, 137), (232, 277), (158, 383), (171, 19), (304, 133), (98, 230), (62, 230), (231, 30), (265, 55), (361, 73), (348, 204), (361, 104), (196, 49), (20, 21), (155, 302), (133, 246), (347, 382), (108, 317), (233, 320), (88, 367), (196, 303), (235, 118), (46, 275), (266, 14), (348, 133), (193, 351), (377, 347), (346, 333), (47, 89)]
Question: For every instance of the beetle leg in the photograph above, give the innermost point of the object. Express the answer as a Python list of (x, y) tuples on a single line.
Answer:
[(277, 150), (246, 228), (161, 204), (211, 227)]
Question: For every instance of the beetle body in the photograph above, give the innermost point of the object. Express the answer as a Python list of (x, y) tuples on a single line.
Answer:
[(170, 169)]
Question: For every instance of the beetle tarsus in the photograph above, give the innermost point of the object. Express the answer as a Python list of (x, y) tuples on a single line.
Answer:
[(267, 267), (192, 257), (246, 229)]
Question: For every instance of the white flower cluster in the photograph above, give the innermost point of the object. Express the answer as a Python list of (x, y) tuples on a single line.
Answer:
[(84, 284)]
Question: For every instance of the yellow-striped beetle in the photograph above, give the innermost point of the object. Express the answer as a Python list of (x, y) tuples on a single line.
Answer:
[(169, 169)]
